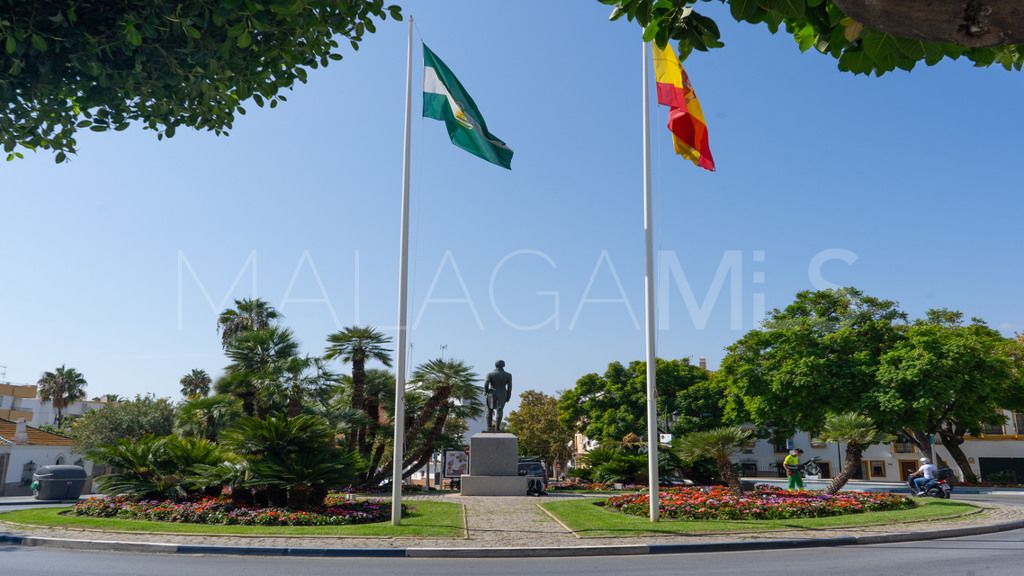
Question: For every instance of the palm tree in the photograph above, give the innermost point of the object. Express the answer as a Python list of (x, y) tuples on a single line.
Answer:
[(62, 386), (356, 345), (719, 444), (452, 394), (257, 371), (248, 315), (206, 416), (858, 432), (195, 384)]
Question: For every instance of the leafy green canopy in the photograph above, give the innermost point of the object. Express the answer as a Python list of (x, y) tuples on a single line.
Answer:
[(611, 406), (71, 64), (818, 24)]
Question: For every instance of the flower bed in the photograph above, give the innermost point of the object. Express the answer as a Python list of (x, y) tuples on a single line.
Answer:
[(719, 503), (336, 512)]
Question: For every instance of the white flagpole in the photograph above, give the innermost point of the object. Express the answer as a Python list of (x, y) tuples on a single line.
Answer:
[(403, 311), (652, 391)]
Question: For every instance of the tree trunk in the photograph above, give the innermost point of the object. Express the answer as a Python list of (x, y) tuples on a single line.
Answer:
[(850, 464), (952, 443), (971, 23), (920, 438), (728, 474), (295, 402), (358, 438), (211, 428)]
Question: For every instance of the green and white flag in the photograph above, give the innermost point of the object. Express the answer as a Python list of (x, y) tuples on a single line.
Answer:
[(445, 99)]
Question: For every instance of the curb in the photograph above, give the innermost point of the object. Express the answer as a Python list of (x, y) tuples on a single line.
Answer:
[(33, 502), (550, 552)]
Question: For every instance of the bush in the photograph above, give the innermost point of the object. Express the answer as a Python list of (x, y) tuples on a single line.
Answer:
[(156, 467), (223, 511), (766, 503)]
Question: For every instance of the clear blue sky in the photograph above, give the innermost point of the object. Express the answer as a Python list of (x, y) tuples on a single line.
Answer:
[(917, 175)]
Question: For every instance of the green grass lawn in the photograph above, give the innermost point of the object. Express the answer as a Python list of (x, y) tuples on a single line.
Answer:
[(426, 519), (586, 519)]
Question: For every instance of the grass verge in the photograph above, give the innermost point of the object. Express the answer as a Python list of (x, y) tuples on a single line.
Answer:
[(426, 519), (588, 520)]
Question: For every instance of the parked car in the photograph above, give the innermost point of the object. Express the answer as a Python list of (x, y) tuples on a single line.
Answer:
[(533, 468)]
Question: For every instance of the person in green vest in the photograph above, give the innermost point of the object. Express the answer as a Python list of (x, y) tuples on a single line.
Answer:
[(792, 465)]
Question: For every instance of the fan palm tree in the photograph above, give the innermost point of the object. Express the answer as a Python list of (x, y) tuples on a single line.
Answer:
[(195, 384), (719, 444), (858, 432), (452, 392), (62, 387), (206, 416), (248, 315), (257, 371), (356, 345)]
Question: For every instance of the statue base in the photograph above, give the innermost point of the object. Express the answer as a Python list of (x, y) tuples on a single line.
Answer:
[(494, 466)]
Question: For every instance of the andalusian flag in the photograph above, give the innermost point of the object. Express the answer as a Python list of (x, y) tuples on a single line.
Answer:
[(685, 118), (445, 99)]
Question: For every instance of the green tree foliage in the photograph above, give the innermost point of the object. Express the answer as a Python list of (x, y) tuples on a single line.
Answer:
[(155, 467), (294, 461), (718, 444), (67, 65), (128, 420), (206, 417), (195, 384), (248, 315), (816, 357), (62, 387), (540, 431), (257, 371), (900, 38), (857, 432), (608, 407), (951, 379), (355, 345)]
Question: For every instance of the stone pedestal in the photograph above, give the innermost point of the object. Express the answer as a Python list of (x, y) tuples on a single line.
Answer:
[(494, 466)]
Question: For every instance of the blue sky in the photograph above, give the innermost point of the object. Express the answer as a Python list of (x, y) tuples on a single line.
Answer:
[(906, 186)]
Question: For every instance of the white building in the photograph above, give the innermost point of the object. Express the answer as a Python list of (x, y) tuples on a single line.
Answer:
[(22, 401), (23, 449), (998, 454)]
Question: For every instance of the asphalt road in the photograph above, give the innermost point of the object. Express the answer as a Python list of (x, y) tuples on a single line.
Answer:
[(989, 555)]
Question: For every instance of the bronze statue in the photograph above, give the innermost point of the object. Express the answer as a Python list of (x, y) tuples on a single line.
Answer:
[(497, 391)]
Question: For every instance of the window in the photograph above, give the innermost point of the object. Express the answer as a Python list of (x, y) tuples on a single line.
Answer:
[(826, 469), (903, 445), (1018, 422), (877, 469)]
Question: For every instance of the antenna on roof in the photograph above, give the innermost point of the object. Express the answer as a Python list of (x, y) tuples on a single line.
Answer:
[(3, 374)]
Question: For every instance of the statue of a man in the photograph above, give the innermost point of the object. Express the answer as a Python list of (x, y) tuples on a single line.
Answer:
[(497, 391)]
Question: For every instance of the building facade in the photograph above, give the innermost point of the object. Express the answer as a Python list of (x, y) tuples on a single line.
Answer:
[(995, 456), (23, 449), (22, 401)]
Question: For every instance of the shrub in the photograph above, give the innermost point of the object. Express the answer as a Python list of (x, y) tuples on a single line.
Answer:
[(156, 467)]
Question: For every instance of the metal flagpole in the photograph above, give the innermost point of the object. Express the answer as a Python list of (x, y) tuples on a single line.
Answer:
[(652, 391), (403, 293)]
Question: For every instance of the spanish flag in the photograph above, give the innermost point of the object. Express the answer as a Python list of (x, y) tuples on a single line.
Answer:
[(685, 118)]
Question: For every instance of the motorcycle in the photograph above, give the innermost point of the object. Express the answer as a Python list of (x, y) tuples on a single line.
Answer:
[(939, 487)]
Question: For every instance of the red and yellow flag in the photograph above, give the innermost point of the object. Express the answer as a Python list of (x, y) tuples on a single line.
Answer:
[(685, 118)]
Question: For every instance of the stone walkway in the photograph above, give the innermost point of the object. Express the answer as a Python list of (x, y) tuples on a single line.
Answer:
[(517, 522)]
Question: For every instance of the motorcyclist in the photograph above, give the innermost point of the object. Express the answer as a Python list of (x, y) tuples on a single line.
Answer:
[(924, 477)]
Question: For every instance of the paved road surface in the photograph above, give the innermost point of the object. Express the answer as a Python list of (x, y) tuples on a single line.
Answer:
[(989, 555)]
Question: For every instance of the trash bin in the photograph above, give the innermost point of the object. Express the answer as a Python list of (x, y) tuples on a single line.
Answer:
[(59, 482)]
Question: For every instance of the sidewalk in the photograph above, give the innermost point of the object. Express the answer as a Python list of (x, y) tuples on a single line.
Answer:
[(515, 525), (895, 487)]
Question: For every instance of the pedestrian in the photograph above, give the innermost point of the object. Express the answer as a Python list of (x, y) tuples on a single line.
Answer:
[(792, 465)]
